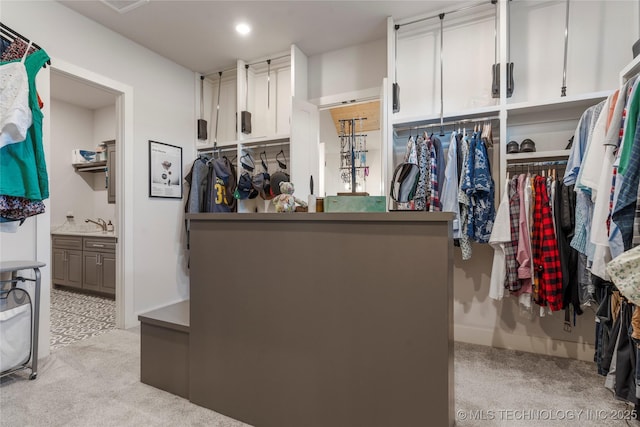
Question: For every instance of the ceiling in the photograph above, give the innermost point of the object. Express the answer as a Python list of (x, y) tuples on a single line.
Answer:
[(79, 93), (200, 35)]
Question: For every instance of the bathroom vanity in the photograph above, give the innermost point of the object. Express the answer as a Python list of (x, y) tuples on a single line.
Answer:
[(84, 260)]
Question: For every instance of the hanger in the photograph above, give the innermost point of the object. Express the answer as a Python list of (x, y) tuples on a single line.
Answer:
[(11, 36), (282, 164), (263, 159)]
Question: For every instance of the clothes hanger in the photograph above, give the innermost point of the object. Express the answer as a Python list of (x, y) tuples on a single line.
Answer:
[(282, 164), (263, 159)]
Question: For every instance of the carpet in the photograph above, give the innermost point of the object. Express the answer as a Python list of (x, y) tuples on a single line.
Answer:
[(95, 382)]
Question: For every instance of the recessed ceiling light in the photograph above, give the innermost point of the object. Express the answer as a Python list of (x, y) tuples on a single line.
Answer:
[(243, 28)]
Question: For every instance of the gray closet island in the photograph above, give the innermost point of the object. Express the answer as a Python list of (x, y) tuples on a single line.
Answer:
[(328, 319)]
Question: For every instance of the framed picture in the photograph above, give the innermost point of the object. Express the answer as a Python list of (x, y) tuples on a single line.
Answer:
[(165, 170)]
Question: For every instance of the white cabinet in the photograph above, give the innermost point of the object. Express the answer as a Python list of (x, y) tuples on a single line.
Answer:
[(282, 120), (531, 35)]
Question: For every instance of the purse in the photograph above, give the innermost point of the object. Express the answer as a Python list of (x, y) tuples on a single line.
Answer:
[(404, 182)]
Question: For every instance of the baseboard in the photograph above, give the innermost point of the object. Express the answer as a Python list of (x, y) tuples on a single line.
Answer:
[(531, 344)]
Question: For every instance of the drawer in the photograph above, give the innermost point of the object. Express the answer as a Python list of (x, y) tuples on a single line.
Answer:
[(100, 244), (66, 242)]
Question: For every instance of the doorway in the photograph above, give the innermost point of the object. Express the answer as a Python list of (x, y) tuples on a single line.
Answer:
[(83, 117), (122, 97)]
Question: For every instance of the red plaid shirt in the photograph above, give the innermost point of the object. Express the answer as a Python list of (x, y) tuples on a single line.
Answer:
[(546, 258)]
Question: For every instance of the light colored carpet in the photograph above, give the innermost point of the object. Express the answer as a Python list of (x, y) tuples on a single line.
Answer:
[(95, 382)]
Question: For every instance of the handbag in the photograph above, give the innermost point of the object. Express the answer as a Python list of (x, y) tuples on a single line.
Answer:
[(404, 182)]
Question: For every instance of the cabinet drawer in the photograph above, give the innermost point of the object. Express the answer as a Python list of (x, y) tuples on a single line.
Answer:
[(67, 242), (100, 245)]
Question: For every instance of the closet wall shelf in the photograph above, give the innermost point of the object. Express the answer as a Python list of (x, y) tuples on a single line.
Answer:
[(249, 142), (94, 167), (630, 70), (434, 119), (550, 154), (580, 102)]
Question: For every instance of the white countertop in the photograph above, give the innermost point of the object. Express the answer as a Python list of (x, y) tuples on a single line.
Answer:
[(97, 233)]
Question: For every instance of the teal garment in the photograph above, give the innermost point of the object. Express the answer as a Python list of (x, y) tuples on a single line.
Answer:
[(23, 170)]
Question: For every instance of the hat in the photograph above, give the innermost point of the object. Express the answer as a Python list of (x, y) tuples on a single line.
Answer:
[(276, 179), (244, 189), (261, 183), (512, 147), (527, 146)]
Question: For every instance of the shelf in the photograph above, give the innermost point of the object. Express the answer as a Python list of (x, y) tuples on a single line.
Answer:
[(249, 142), (630, 70), (580, 102), (550, 154), (93, 167), (434, 119)]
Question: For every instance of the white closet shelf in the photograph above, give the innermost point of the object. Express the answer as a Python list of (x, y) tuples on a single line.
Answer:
[(581, 102), (433, 119), (549, 154), (249, 142), (630, 70)]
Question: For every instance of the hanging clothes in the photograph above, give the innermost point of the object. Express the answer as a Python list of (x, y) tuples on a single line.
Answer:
[(15, 112), (23, 171), (221, 184), (465, 202), (501, 243), (545, 250), (479, 187), (450, 185), (523, 252), (424, 168)]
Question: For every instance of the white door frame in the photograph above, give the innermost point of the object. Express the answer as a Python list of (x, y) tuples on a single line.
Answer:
[(125, 316)]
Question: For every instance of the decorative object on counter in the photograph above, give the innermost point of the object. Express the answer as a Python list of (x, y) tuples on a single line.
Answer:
[(165, 170), (110, 227), (285, 201), (82, 156)]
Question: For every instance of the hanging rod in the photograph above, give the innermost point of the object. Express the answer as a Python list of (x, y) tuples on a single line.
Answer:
[(538, 163), (217, 72), (213, 150), (471, 6), (448, 123), (11, 32), (270, 59)]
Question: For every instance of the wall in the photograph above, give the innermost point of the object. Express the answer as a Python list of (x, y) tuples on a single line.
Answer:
[(347, 70), (104, 129), (71, 128), (160, 276), (82, 193)]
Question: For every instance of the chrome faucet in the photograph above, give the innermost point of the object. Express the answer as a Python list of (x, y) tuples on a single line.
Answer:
[(101, 222)]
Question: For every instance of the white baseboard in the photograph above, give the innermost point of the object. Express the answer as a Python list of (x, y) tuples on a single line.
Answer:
[(539, 345)]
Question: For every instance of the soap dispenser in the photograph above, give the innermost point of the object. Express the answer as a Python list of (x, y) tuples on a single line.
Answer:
[(110, 227)]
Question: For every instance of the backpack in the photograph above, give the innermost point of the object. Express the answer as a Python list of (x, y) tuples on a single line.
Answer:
[(404, 182)]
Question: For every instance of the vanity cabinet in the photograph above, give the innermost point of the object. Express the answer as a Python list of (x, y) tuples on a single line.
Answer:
[(99, 265), (66, 258), (87, 263)]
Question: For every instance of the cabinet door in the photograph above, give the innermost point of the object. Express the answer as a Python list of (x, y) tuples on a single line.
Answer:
[(108, 261), (305, 134), (111, 170), (92, 270), (59, 268), (74, 268)]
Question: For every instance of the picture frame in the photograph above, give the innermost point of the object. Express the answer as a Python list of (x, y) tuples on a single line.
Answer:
[(165, 170)]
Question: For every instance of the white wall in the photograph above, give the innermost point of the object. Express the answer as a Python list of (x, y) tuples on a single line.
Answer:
[(163, 107), (347, 70), (71, 128), (104, 129)]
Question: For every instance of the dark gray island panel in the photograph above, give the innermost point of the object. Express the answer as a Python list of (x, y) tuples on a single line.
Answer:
[(323, 319)]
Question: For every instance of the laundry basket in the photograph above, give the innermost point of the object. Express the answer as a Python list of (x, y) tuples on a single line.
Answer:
[(16, 319)]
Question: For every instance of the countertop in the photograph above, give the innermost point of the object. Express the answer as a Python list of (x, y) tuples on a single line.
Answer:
[(396, 216), (85, 233)]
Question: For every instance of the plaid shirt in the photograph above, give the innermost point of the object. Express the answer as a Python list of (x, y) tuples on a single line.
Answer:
[(510, 248), (546, 258)]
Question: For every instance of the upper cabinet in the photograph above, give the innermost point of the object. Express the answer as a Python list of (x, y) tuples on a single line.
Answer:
[(451, 70)]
